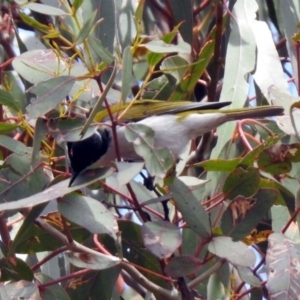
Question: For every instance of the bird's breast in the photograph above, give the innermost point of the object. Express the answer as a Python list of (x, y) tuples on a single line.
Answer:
[(169, 131)]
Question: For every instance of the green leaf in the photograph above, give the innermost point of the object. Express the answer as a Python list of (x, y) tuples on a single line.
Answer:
[(39, 134), (185, 88), (192, 211), (284, 197), (45, 9), (7, 127), (175, 66), (282, 255), (290, 14), (7, 99), (274, 162), (215, 289), (58, 190), (252, 156), (241, 182), (160, 88), (33, 239), (76, 4), (98, 47), (247, 276), (106, 10), (127, 27), (88, 213), (16, 91), (18, 290), (53, 291), (183, 265), (33, 23), (161, 238), (13, 145), (15, 268), (280, 217), (157, 160), (18, 178), (136, 252), (49, 94), (182, 11), (92, 261), (127, 60), (69, 129), (155, 58), (160, 46), (221, 165), (239, 223), (267, 55), (127, 172), (25, 227), (237, 253), (86, 28), (96, 283), (98, 106), (240, 61)]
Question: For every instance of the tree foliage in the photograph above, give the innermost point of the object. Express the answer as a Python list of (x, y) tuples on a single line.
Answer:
[(203, 226)]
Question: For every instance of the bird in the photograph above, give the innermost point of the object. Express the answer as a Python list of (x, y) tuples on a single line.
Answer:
[(174, 125)]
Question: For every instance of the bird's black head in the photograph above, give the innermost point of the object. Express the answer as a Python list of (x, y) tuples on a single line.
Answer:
[(85, 152)]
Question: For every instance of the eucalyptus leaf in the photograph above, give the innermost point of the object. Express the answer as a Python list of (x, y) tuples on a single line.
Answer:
[(94, 262), (190, 208), (241, 182), (53, 291), (57, 190), (8, 100), (237, 253), (157, 160), (88, 213), (162, 47), (44, 9), (13, 145), (161, 238), (86, 28), (183, 265), (126, 73), (49, 94)]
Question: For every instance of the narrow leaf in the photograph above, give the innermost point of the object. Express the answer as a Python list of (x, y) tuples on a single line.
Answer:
[(282, 259), (241, 182), (236, 252), (13, 145), (157, 160), (86, 28), (49, 94), (94, 262), (161, 238), (162, 47), (127, 60), (183, 265), (45, 9), (7, 99), (58, 190), (240, 61), (192, 211), (88, 213)]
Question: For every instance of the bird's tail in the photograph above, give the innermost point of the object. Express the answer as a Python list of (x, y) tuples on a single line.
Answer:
[(253, 112)]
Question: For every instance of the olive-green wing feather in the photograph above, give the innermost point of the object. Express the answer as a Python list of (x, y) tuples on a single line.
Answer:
[(142, 109)]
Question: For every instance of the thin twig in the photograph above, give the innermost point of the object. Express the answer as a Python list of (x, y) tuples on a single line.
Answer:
[(48, 257)]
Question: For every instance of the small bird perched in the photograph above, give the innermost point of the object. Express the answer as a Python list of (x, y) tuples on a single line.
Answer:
[(174, 125)]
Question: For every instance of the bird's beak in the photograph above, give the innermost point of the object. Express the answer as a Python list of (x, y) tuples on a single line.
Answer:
[(73, 177)]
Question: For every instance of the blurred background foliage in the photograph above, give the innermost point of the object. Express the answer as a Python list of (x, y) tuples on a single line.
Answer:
[(204, 233)]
